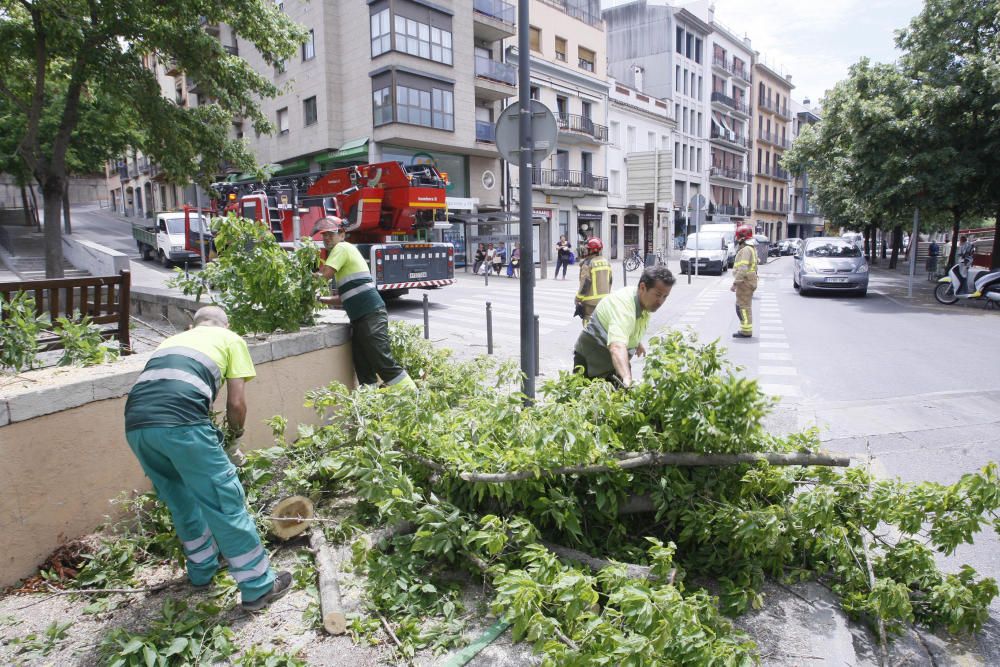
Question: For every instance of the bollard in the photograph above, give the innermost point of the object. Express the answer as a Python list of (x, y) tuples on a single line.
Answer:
[(486, 276), (624, 276), (537, 355), (489, 328), (427, 318)]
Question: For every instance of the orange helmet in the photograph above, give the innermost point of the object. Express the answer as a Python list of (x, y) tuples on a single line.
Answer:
[(743, 233), (595, 244)]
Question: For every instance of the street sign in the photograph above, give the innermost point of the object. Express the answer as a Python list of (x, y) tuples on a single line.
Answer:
[(544, 132), (698, 202), (283, 204)]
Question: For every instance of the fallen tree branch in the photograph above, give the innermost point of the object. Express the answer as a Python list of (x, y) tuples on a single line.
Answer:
[(382, 536), (650, 459), (597, 564), (331, 610), (388, 629)]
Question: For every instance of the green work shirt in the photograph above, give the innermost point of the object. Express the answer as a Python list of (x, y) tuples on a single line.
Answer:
[(354, 281), (618, 318), (181, 380)]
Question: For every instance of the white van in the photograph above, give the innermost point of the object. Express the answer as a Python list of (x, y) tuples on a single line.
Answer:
[(728, 231), (710, 250)]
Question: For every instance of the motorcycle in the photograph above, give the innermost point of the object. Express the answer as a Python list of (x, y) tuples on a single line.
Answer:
[(985, 286)]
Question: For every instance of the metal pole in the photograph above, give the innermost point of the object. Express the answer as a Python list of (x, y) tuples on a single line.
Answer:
[(296, 220), (489, 328), (687, 235), (624, 276), (537, 345), (914, 244), (697, 226), (527, 144), (427, 318), (201, 224)]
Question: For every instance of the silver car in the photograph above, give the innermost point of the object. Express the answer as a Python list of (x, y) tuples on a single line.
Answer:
[(830, 264)]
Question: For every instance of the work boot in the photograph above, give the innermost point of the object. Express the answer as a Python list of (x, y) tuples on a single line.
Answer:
[(282, 584), (740, 334)]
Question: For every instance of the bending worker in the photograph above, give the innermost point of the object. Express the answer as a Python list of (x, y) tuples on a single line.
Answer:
[(595, 279), (364, 306), (605, 347), (169, 428), (744, 280)]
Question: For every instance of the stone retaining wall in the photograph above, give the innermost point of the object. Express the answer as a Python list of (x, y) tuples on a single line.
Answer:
[(62, 441)]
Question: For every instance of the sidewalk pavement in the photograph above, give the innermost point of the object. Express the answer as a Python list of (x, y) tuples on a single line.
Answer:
[(896, 285)]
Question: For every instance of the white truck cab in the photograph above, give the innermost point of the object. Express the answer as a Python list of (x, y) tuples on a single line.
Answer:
[(728, 231)]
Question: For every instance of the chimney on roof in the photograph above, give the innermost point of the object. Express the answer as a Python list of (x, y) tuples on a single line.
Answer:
[(711, 12), (637, 77)]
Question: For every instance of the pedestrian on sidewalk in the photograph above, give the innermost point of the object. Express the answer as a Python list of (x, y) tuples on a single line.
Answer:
[(480, 257), (487, 265), (744, 280), (563, 250), (515, 262), (499, 258), (606, 346), (966, 255), (595, 279), (168, 426), (364, 307)]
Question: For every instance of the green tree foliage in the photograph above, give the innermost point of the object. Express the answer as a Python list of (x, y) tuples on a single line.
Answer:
[(261, 286), (75, 87), (426, 457)]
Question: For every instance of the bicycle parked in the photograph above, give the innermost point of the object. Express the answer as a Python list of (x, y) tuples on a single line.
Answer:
[(635, 260)]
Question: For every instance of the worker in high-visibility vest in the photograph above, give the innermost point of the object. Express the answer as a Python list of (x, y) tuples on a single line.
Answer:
[(595, 279), (745, 280)]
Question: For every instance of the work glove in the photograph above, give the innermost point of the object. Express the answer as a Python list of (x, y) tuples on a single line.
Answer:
[(231, 445)]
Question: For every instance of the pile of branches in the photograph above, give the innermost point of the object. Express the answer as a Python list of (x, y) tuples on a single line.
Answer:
[(593, 514)]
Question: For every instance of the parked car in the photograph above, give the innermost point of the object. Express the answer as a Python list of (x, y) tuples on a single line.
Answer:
[(774, 250), (830, 264), (711, 251)]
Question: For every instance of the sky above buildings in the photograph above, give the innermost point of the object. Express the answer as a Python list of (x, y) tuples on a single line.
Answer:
[(815, 41)]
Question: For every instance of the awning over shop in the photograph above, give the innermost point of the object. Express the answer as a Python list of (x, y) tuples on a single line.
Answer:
[(355, 150), (296, 167), (491, 218), (590, 209)]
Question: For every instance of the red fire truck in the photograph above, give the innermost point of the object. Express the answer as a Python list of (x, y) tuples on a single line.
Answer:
[(388, 209)]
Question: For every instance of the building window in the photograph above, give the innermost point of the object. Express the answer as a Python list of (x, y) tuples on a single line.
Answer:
[(560, 49), (630, 137), (613, 131), (689, 50), (382, 106), (697, 50), (686, 89), (309, 48), (677, 155), (679, 41), (430, 108), (698, 163), (614, 182), (283, 120), (664, 143), (309, 110), (381, 39), (424, 41), (651, 140), (698, 127), (587, 59), (536, 39), (677, 78)]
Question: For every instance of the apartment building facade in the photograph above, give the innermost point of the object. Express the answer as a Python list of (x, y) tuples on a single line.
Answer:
[(640, 171), (772, 93), (568, 75), (728, 112), (805, 218), (662, 51)]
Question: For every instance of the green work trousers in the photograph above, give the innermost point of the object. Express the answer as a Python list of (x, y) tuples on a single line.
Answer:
[(370, 349), (193, 476)]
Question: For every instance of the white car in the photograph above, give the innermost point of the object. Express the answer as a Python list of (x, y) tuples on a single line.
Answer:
[(710, 250)]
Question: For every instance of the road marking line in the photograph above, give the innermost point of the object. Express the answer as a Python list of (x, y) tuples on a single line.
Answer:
[(775, 356), (777, 370), (773, 336), (774, 345)]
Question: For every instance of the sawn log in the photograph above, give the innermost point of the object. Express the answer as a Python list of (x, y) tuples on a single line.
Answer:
[(331, 609)]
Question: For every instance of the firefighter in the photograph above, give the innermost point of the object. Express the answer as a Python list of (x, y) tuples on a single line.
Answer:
[(744, 280), (365, 309), (595, 279), (606, 346), (169, 428)]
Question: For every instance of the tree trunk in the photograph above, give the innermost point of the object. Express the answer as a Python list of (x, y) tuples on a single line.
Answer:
[(65, 209), (885, 245), (897, 241), (995, 261), (34, 206), (869, 242), (27, 207), (52, 197), (956, 224)]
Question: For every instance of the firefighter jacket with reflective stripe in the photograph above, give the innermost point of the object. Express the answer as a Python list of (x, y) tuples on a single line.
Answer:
[(745, 264), (595, 279), (354, 281)]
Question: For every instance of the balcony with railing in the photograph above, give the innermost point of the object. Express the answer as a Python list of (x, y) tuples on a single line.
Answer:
[(567, 178), (122, 169), (774, 172), (720, 64), (144, 165), (485, 131), (231, 49), (728, 209), (494, 80), (581, 13), (772, 206), (494, 20), (769, 105), (740, 72), (726, 101), (730, 138), (170, 67), (772, 138), (580, 129), (730, 174), (211, 27)]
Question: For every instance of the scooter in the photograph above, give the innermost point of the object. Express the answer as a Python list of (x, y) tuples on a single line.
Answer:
[(985, 287)]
